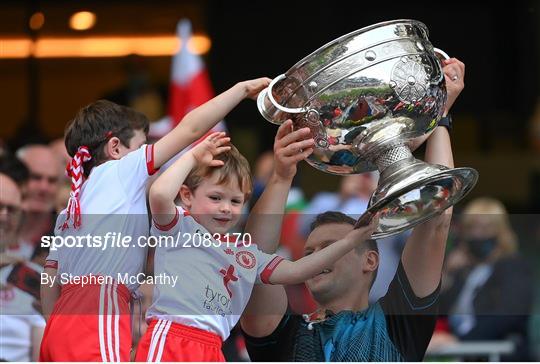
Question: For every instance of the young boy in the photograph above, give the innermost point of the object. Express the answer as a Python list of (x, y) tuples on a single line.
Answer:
[(110, 168), (188, 321)]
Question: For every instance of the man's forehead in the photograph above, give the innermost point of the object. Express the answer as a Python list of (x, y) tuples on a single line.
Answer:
[(9, 193), (42, 160), (328, 232)]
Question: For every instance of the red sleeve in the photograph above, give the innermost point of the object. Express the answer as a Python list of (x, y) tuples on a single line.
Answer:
[(269, 269), (150, 160), (170, 225)]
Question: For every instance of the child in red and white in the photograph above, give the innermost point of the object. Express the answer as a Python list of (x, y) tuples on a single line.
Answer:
[(110, 168), (190, 320)]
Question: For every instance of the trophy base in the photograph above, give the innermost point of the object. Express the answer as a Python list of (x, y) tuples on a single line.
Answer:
[(411, 192)]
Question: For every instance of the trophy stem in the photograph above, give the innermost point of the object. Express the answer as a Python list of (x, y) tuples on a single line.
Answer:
[(391, 156)]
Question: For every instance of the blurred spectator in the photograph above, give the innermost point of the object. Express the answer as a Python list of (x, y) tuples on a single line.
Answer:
[(264, 166), (10, 217), (17, 171), (14, 169), (352, 199), (488, 287), (41, 191), (44, 171), (21, 325)]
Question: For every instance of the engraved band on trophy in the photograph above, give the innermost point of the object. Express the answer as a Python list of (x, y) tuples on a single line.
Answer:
[(364, 96)]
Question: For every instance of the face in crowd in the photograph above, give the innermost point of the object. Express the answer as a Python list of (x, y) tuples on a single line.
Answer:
[(487, 232), (41, 189), (10, 210)]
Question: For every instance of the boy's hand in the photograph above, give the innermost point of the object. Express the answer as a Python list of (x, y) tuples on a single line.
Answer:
[(290, 147), (211, 146), (253, 87), (362, 233), (454, 73)]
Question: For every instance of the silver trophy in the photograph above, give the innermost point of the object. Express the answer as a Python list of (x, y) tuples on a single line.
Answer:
[(365, 96)]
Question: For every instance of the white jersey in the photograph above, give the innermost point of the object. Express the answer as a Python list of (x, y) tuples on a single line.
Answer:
[(213, 284), (18, 318), (113, 210)]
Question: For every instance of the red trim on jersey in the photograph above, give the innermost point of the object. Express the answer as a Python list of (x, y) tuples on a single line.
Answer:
[(269, 269), (51, 264), (151, 169), (170, 225)]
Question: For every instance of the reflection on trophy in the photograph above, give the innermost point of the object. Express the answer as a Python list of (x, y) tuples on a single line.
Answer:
[(364, 96)]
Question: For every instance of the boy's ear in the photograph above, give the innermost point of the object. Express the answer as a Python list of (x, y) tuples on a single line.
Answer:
[(185, 196), (113, 148)]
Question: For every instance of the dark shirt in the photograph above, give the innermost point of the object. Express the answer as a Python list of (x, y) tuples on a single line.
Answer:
[(396, 328)]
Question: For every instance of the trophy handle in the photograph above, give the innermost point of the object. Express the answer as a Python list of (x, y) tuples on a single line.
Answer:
[(289, 110), (442, 55)]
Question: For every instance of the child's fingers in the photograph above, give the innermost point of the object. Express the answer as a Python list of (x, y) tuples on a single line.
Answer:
[(215, 135), (216, 163), (222, 140), (224, 149)]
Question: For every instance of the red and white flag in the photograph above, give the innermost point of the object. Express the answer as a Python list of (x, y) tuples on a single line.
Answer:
[(190, 85)]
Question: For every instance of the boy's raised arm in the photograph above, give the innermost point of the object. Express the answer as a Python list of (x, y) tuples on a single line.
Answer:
[(200, 120), (288, 272)]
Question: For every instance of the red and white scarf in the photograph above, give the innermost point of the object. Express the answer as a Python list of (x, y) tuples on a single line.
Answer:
[(75, 171)]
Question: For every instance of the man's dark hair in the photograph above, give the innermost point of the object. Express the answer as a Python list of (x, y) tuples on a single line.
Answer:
[(336, 217), (98, 122), (14, 168)]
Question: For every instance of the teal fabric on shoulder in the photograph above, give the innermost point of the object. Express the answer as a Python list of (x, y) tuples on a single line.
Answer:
[(349, 336)]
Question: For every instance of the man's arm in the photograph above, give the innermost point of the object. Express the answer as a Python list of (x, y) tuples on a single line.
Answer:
[(268, 303), (452, 68), (200, 120), (423, 254), (265, 219), (49, 293)]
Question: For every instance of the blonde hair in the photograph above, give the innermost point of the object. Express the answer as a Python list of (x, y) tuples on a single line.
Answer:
[(235, 165), (497, 214)]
